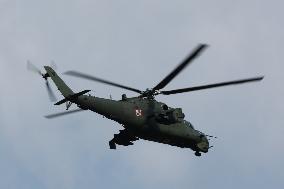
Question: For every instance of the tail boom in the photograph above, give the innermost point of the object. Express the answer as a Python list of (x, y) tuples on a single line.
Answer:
[(61, 85)]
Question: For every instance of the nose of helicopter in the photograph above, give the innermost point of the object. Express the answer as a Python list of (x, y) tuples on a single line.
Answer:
[(203, 145)]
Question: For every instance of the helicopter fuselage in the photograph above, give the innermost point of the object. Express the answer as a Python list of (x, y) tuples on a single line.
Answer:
[(149, 120)]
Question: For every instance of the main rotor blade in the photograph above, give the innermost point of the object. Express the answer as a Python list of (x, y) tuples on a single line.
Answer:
[(51, 95), (92, 78), (190, 89), (51, 116), (180, 67)]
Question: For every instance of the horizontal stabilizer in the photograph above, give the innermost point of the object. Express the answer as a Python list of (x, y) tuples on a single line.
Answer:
[(72, 97)]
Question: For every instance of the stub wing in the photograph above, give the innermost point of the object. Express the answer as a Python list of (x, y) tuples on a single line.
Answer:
[(72, 97)]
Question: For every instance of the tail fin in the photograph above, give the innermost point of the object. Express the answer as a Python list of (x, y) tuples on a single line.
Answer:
[(62, 87)]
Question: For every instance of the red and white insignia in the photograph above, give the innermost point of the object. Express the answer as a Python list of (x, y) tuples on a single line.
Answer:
[(138, 112)]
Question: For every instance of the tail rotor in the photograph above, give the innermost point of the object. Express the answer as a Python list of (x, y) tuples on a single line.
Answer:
[(31, 67), (50, 93)]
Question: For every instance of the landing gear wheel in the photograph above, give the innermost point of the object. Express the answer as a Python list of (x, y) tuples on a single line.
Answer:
[(197, 154)]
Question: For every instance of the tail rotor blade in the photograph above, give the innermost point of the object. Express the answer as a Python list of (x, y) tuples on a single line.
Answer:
[(53, 65), (51, 95), (33, 68)]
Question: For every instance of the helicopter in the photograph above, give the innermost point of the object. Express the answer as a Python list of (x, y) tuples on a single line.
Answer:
[(142, 116)]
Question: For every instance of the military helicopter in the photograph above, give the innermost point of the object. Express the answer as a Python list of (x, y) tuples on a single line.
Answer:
[(142, 117)]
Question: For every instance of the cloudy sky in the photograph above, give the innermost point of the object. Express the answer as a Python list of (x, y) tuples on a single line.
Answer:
[(137, 43)]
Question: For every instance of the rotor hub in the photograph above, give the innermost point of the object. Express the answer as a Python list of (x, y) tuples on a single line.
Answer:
[(150, 93)]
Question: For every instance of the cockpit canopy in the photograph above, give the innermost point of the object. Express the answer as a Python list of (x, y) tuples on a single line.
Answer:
[(170, 115), (176, 115)]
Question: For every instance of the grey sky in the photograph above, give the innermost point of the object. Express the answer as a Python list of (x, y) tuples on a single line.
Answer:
[(137, 43)]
